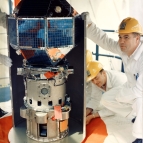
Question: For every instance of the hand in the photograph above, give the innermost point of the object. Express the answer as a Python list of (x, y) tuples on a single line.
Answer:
[(88, 111), (89, 118), (88, 20), (5, 60)]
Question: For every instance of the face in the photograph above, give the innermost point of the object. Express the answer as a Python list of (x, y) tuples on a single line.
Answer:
[(128, 42), (100, 79)]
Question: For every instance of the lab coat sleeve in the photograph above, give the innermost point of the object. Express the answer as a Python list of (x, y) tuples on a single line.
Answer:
[(94, 100), (105, 112), (117, 78), (101, 38), (128, 94), (5, 60)]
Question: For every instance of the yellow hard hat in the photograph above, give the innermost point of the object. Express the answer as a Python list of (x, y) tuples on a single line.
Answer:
[(93, 68), (88, 56), (129, 25)]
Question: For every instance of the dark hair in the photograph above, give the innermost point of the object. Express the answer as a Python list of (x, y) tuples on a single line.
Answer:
[(101, 70)]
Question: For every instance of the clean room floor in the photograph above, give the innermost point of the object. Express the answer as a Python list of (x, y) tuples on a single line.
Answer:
[(111, 129)]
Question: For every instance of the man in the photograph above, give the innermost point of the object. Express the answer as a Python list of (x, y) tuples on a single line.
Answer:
[(101, 81), (3, 58), (130, 48)]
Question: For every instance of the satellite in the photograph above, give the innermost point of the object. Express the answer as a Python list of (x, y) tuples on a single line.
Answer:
[(43, 33)]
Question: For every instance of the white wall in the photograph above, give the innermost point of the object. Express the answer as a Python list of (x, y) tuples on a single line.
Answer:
[(136, 10)]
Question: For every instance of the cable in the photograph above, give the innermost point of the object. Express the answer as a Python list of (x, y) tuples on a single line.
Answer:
[(49, 7)]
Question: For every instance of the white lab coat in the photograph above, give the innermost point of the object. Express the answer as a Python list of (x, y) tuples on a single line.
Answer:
[(131, 93), (114, 79)]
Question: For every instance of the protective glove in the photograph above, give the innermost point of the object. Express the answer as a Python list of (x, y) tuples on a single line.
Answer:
[(88, 20), (5, 60)]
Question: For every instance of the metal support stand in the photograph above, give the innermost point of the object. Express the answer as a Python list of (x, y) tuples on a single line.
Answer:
[(18, 134)]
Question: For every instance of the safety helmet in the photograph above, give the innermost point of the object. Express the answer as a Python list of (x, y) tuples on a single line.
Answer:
[(129, 25), (88, 56), (93, 68)]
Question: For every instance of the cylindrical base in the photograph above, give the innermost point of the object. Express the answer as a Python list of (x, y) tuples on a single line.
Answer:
[(18, 134), (43, 126)]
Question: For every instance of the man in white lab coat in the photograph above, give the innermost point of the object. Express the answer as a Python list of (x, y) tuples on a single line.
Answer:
[(100, 82), (130, 48)]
